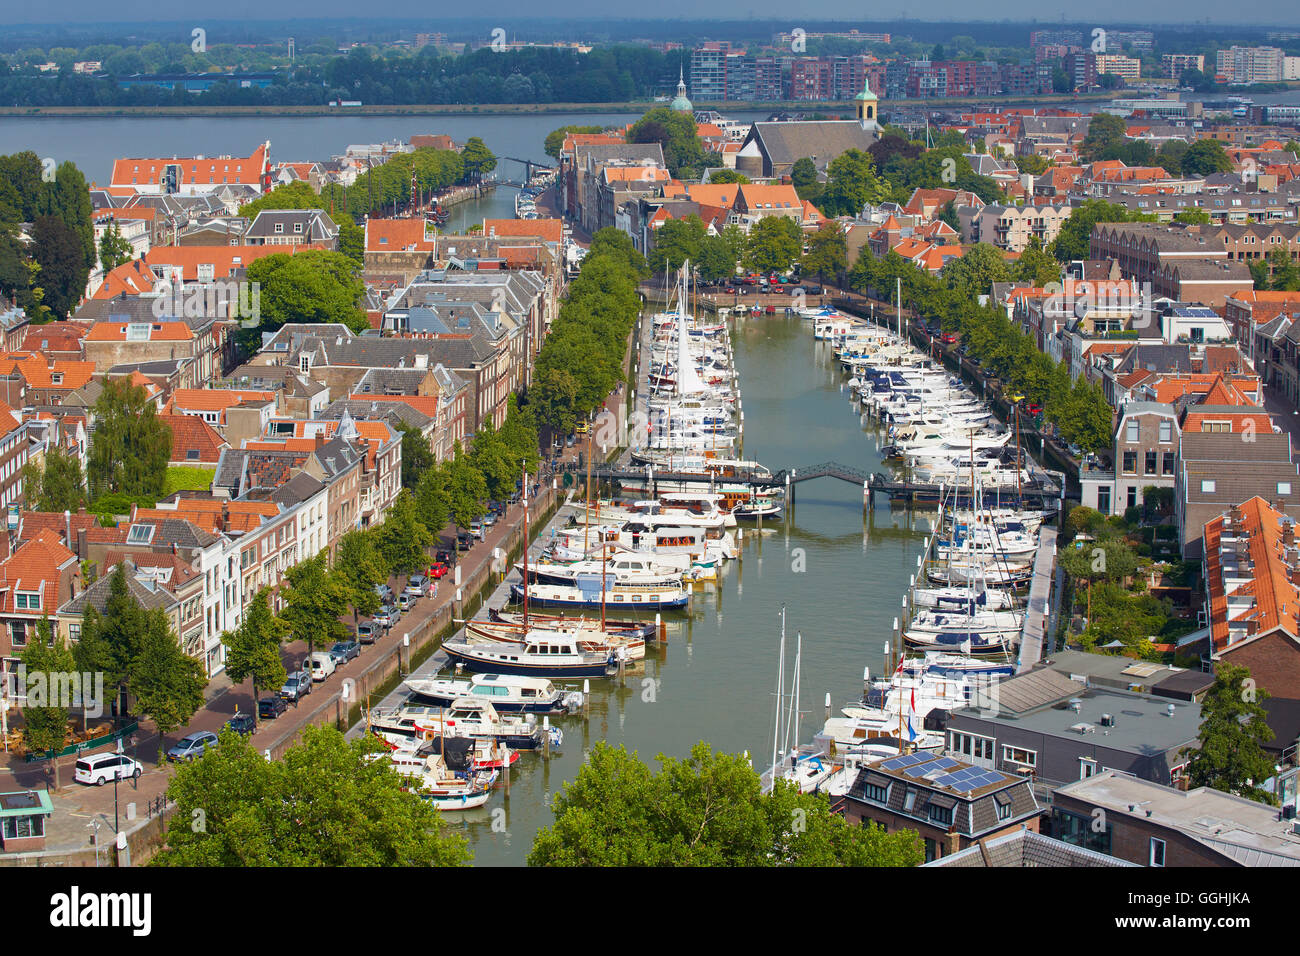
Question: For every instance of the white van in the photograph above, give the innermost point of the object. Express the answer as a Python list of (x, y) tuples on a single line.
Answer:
[(99, 769), (322, 665)]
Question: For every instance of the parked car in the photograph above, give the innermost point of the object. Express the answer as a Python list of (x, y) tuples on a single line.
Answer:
[(368, 632), (406, 601), (296, 686), (269, 708), (948, 338), (490, 519), (438, 569), (418, 585), (476, 530), (384, 591), (344, 651), (322, 665), (242, 723), (193, 745), (386, 616), (443, 557), (99, 769)]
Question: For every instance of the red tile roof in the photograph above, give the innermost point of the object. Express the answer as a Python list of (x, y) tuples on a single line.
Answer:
[(37, 565), (209, 170), (193, 439)]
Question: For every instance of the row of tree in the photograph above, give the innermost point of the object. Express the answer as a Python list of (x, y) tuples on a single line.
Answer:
[(581, 361), (1078, 408)]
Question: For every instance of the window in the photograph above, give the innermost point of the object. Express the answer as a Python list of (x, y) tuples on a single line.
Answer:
[(1132, 496), (28, 600), (1207, 486), (1087, 768), (1004, 807), (909, 800), (1166, 431), (1130, 462), (969, 745), (1019, 756), (74, 632), (1150, 463), (1103, 500), (1167, 463), (1284, 487), (17, 633), (1131, 430), (876, 793), (940, 815), (18, 827), (1157, 852)]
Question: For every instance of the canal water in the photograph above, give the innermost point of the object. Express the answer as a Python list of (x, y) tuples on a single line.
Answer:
[(840, 575)]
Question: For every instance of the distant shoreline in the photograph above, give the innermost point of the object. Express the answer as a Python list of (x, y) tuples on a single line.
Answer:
[(508, 109)]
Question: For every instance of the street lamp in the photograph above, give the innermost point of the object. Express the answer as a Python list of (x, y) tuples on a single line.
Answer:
[(117, 775)]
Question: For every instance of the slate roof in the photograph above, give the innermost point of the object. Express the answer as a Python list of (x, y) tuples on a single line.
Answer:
[(784, 143), (97, 594), (1026, 848)]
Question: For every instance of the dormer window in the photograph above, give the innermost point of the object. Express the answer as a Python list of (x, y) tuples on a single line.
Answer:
[(279, 227), (27, 600)]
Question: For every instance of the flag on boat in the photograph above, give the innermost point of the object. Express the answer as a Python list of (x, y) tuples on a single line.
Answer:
[(911, 732), (914, 700)]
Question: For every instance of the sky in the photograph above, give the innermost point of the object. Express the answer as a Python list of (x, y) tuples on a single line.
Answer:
[(431, 11)]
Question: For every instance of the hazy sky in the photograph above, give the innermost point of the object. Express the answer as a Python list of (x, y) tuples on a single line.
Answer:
[(1114, 11)]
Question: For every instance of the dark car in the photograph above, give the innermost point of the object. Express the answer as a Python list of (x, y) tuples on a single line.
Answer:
[(444, 557), (344, 651), (269, 708), (242, 724), (466, 539)]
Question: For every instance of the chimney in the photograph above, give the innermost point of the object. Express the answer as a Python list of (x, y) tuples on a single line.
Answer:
[(67, 528), (81, 543), (225, 515)]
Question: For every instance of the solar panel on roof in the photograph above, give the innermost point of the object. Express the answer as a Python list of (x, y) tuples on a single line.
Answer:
[(906, 760)]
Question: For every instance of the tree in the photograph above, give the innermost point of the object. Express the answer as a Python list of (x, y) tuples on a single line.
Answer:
[(1234, 725), (130, 445), (803, 173), (1170, 156), (1105, 559), (1072, 242), (466, 490), (616, 244), (361, 568), (416, 456), (323, 804), (676, 133), (1193, 217), (775, 242), (706, 810), (719, 177), (714, 259), (676, 241), (1205, 156), (45, 716), (1036, 266), (58, 485), (556, 137), (1104, 131), (113, 248), (1259, 273), (974, 273), (826, 255), (1032, 164), (310, 286), (478, 158), (167, 683), (1286, 275), (64, 269), (253, 648), (315, 597), (403, 538), (851, 183), (1061, 82)]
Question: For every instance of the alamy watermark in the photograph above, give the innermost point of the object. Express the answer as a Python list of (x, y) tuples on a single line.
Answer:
[(71, 690), (239, 299)]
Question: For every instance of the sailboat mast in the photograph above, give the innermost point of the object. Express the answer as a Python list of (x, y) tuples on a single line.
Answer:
[(798, 656), (524, 489), (603, 553), (586, 530), (780, 688)]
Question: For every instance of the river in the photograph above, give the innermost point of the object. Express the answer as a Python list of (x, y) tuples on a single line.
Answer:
[(841, 578)]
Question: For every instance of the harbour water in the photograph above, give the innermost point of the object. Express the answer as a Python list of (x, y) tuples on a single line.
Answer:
[(841, 577)]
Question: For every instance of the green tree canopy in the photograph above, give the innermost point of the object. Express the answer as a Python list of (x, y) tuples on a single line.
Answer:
[(253, 648), (722, 176), (775, 242), (1234, 726), (826, 252), (310, 286), (1205, 156), (676, 133), (706, 810), (403, 538), (852, 183), (315, 598), (555, 138), (1076, 232), (323, 804), (56, 484), (676, 241), (130, 445)]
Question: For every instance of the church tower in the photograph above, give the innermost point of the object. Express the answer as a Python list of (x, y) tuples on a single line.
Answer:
[(868, 107)]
